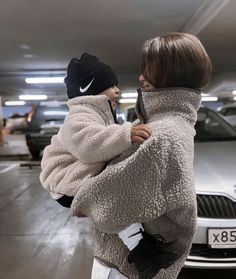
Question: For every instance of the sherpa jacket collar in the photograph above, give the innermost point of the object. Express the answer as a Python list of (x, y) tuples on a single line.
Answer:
[(98, 102), (184, 102)]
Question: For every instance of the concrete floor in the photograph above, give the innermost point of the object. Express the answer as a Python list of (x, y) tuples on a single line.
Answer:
[(40, 240)]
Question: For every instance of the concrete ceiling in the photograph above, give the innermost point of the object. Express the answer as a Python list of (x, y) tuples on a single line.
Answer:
[(40, 37), (219, 36)]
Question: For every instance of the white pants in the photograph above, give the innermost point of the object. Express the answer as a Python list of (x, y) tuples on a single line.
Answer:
[(101, 271)]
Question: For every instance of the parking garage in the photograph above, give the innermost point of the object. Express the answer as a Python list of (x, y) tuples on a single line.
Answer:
[(39, 238)]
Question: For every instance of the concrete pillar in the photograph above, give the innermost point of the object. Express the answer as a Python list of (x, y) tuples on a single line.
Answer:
[(1, 123)]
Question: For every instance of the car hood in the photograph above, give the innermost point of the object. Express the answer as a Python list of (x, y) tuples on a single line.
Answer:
[(215, 167)]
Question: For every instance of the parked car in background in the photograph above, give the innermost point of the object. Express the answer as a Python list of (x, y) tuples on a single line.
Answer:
[(16, 122), (214, 244), (130, 113), (43, 122), (215, 178), (229, 113)]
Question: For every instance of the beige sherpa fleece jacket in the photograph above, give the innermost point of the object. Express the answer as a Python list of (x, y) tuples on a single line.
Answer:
[(152, 184), (88, 138)]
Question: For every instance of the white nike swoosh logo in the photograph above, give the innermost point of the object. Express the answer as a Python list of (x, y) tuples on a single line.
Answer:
[(83, 90)]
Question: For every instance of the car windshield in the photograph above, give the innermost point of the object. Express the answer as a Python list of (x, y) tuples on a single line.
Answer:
[(228, 111), (210, 126), (46, 114)]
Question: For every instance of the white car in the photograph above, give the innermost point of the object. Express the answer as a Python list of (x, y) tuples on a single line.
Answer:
[(229, 113), (215, 178)]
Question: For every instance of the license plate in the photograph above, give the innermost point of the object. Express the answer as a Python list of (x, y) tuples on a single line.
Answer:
[(222, 238)]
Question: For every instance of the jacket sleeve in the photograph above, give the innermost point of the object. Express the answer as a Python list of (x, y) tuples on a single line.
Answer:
[(63, 200), (87, 137), (126, 192), (56, 168)]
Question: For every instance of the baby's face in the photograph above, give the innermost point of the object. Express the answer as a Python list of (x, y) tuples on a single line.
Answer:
[(112, 93)]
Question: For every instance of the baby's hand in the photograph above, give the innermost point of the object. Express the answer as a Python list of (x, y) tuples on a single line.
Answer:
[(140, 133)]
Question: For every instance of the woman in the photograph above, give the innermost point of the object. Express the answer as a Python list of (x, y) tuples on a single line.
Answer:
[(152, 183)]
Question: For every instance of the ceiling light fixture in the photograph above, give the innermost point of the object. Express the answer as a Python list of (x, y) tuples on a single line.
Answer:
[(27, 55), (35, 80), (234, 98), (53, 103), (24, 47), (129, 95), (234, 92), (15, 103), (205, 94), (127, 101), (209, 99), (55, 112), (33, 97)]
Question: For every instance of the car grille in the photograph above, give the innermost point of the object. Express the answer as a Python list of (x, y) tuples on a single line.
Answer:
[(210, 206), (202, 250)]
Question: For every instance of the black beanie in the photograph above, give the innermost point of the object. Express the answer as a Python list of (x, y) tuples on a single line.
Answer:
[(88, 76)]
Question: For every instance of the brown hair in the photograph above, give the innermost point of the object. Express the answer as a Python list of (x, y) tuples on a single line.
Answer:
[(176, 60)]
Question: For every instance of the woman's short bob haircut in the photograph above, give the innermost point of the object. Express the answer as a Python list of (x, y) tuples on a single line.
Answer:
[(176, 60)]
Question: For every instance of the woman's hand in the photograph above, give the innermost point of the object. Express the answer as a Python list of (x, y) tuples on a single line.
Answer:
[(140, 133)]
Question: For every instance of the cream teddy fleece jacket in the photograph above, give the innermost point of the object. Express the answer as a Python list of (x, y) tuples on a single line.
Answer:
[(88, 138), (151, 184)]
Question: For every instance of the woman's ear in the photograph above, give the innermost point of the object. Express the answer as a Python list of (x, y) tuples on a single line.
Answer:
[(145, 84)]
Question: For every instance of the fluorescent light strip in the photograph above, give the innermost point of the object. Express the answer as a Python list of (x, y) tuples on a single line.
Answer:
[(55, 112), (209, 99), (53, 103), (35, 80), (234, 92), (129, 95), (33, 97), (127, 101), (205, 94), (15, 103)]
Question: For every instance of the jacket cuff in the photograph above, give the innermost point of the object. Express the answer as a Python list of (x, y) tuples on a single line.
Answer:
[(65, 201)]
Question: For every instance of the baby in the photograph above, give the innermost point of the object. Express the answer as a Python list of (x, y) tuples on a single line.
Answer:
[(90, 136)]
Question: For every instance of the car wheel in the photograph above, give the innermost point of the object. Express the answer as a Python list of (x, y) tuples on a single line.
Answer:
[(35, 154)]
